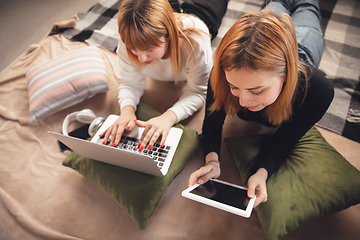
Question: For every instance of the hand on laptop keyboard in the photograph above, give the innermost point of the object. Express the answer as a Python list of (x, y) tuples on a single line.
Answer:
[(156, 129), (157, 153), (124, 122)]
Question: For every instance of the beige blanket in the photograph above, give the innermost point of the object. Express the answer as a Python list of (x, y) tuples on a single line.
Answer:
[(42, 199)]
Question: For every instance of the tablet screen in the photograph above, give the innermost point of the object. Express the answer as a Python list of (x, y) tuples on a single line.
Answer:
[(223, 193)]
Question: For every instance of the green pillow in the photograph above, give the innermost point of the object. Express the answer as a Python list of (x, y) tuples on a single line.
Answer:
[(314, 181), (137, 193)]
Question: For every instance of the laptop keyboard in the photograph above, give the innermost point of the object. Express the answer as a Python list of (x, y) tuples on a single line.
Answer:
[(157, 153)]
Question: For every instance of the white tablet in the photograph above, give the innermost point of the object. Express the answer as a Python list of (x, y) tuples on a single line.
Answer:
[(223, 195)]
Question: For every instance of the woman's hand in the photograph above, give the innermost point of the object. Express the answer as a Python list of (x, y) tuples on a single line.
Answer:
[(205, 173), (257, 185), (156, 127), (126, 121)]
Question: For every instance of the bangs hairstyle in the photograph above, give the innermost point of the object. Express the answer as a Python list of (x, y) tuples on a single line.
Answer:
[(141, 24), (260, 41)]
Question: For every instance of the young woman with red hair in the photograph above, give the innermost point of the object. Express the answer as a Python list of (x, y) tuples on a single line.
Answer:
[(265, 71), (159, 43)]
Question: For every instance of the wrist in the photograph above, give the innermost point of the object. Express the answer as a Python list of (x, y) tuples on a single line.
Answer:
[(263, 173), (171, 116), (214, 161), (212, 157), (129, 109)]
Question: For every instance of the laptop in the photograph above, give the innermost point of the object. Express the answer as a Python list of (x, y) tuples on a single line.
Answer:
[(126, 154)]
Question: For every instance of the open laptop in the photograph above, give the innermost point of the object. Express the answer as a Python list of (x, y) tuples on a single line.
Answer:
[(155, 161)]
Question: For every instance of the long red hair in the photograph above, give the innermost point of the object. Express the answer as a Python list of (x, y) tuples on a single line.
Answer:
[(258, 41), (141, 23)]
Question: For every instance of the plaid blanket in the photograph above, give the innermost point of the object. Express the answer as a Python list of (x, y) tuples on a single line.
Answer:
[(98, 26), (340, 62)]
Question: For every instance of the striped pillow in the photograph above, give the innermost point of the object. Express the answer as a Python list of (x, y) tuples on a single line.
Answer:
[(65, 81)]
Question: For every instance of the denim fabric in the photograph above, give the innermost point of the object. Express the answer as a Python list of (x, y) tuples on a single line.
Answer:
[(210, 11), (306, 17)]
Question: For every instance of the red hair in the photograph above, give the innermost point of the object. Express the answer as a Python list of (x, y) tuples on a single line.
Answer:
[(258, 41), (141, 23)]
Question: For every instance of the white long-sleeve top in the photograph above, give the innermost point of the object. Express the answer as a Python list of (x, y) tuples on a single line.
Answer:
[(196, 66)]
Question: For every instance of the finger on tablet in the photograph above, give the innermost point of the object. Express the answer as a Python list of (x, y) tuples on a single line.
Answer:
[(201, 176), (251, 192), (194, 177)]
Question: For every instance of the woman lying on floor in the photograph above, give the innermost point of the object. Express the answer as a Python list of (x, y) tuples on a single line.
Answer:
[(155, 42), (265, 70)]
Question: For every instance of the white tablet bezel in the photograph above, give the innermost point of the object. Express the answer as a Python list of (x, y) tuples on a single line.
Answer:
[(244, 213)]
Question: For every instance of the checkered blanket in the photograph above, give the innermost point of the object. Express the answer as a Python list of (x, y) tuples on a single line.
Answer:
[(340, 62)]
